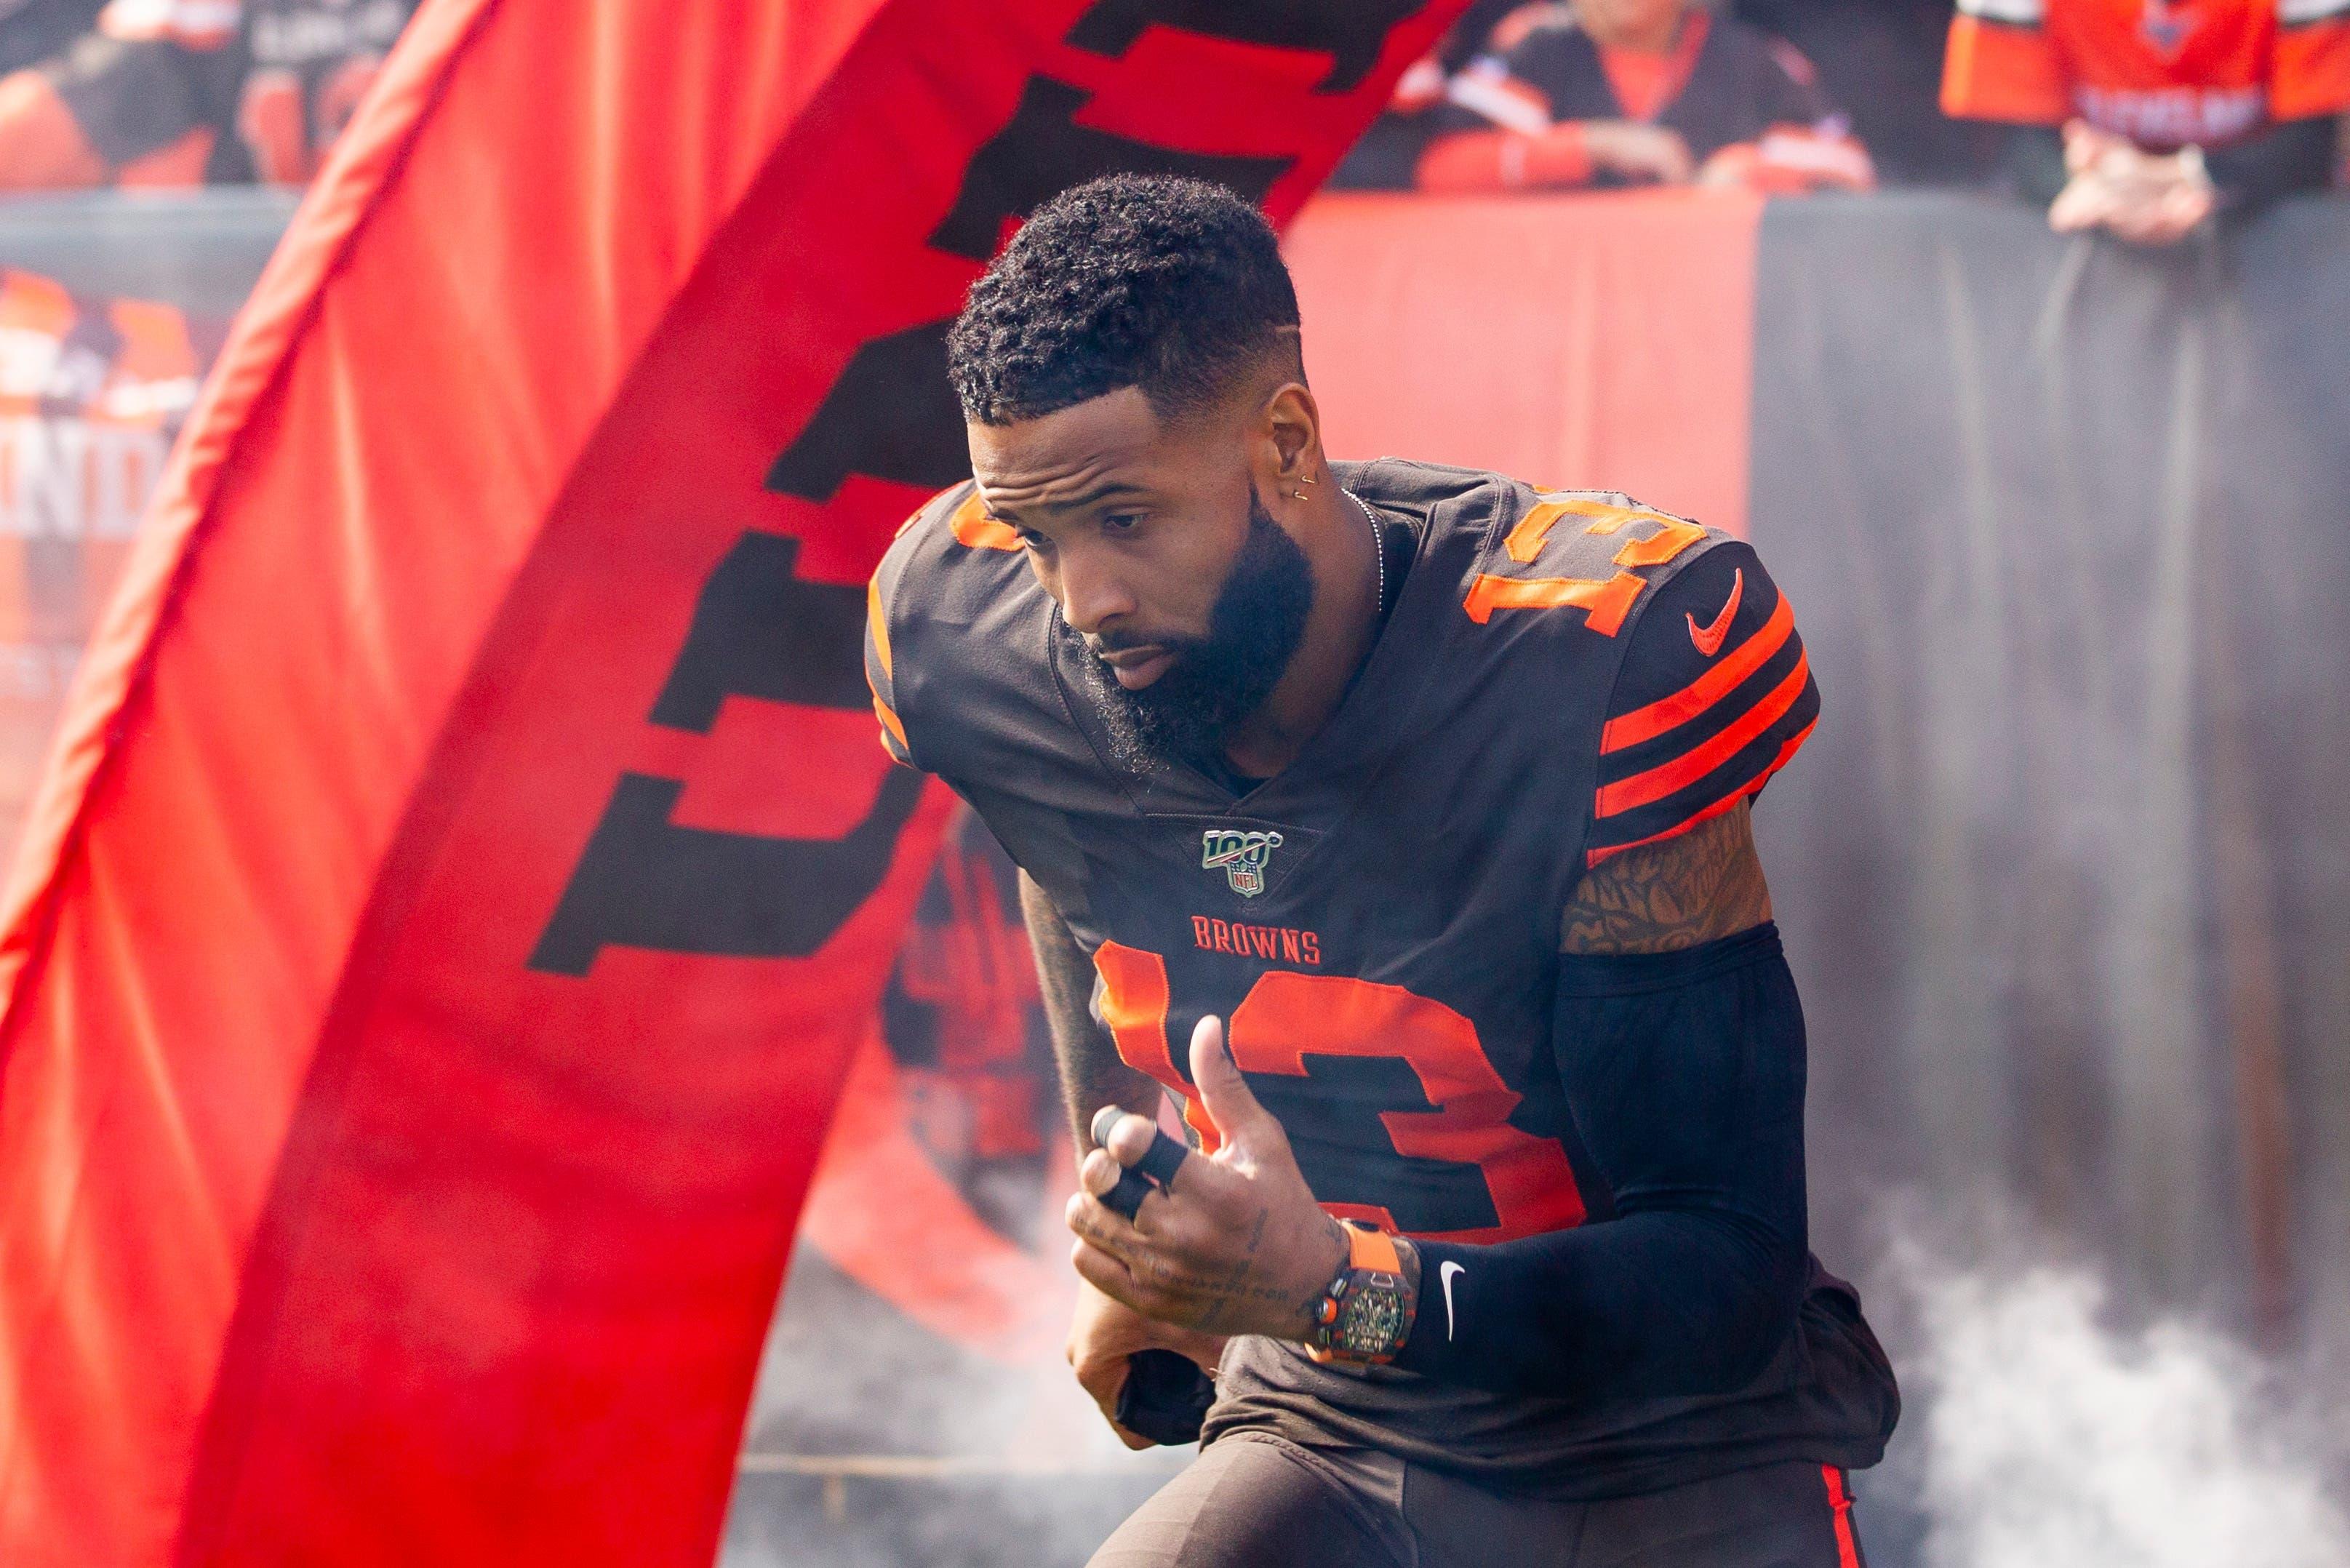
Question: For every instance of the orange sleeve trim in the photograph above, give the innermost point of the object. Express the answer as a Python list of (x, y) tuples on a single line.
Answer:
[(1794, 744), (876, 622), (1699, 695), (975, 530), (42, 147), (1994, 70), (2312, 70), (1685, 770), (1697, 819), (1472, 160), (889, 723)]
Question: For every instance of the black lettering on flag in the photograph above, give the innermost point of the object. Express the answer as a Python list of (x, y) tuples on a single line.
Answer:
[(759, 631), (645, 882), (890, 415), (1044, 151), (1351, 32)]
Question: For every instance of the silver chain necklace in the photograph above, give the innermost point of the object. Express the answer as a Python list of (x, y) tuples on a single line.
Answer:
[(1379, 545)]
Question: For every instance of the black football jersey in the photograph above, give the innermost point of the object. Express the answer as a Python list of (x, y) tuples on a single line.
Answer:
[(1562, 675)]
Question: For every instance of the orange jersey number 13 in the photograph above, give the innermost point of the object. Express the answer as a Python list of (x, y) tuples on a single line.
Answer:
[(1289, 1018)]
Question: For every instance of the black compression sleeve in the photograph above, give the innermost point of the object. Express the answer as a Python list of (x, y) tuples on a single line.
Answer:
[(1684, 1072)]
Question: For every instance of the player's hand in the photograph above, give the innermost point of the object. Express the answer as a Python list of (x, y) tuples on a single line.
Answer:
[(1235, 1244), (1630, 150), (1104, 1332)]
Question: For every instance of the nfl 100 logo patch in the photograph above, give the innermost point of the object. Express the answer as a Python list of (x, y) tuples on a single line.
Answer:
[(1240, 856)]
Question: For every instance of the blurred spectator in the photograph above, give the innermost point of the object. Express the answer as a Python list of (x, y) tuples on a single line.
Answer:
[(2170, 109), (1626, 92), (1880, 61), (1383, 158), (180, 92)]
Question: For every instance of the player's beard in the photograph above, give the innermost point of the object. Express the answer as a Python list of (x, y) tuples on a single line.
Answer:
[(1217, 680)]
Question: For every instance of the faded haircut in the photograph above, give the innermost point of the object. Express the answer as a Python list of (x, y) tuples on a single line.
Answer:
[(1176, 286)]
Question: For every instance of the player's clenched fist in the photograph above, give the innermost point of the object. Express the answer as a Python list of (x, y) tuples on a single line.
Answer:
[(1104, 1337), (1233, 1244)]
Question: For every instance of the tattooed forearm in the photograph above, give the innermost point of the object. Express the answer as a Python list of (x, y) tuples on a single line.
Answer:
[(1702, 886), (1092, 1075)]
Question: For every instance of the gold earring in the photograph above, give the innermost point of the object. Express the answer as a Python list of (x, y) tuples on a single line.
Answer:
[(1301, 494)]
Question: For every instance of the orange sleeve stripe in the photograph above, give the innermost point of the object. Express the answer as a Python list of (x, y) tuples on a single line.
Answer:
[(1665, 713), (876, 622), (1595, 857), (1685, 770), (1994, 70), (889, 723), (2312, 70), (1794, 742)]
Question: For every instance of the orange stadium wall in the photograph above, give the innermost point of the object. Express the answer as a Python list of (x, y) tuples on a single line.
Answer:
[(466, 866), (1592, 342)]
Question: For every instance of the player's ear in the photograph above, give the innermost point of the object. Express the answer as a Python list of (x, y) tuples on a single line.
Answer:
[(1293, 427)]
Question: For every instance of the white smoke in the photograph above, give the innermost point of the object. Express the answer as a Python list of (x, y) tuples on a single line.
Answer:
[(2049, 1438)]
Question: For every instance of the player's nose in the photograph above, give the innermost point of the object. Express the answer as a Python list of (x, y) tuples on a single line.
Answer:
[(1094, 595)]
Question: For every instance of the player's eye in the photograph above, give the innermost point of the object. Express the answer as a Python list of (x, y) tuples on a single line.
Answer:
[(1121, 521), (1030, 539)]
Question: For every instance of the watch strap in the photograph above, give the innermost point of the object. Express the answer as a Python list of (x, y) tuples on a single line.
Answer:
[(1366, 1313)]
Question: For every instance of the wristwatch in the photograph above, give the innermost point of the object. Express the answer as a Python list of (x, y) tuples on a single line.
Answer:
[(1366, 1313)]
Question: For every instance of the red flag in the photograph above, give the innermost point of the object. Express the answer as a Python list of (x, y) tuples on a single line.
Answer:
[(469, 863)]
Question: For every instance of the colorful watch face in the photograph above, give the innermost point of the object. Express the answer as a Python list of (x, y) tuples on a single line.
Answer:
[(1370, 1322)]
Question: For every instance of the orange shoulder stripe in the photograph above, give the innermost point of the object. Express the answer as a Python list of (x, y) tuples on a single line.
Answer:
[(1663, 779), (1665, 713), (1593, 858)]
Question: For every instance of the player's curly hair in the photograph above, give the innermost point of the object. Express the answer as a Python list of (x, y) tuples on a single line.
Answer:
[(1173, 285)]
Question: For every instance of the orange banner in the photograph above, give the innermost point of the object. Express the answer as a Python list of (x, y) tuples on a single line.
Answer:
[(467, 867)]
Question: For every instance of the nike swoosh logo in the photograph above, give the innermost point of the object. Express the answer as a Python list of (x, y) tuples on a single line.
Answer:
[(1446, 1273), (1709, 638)]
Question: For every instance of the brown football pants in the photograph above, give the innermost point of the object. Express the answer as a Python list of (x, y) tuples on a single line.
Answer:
[(1253, 1500)]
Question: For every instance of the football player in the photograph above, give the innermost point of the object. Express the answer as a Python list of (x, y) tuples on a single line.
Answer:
[(1392, 819)]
